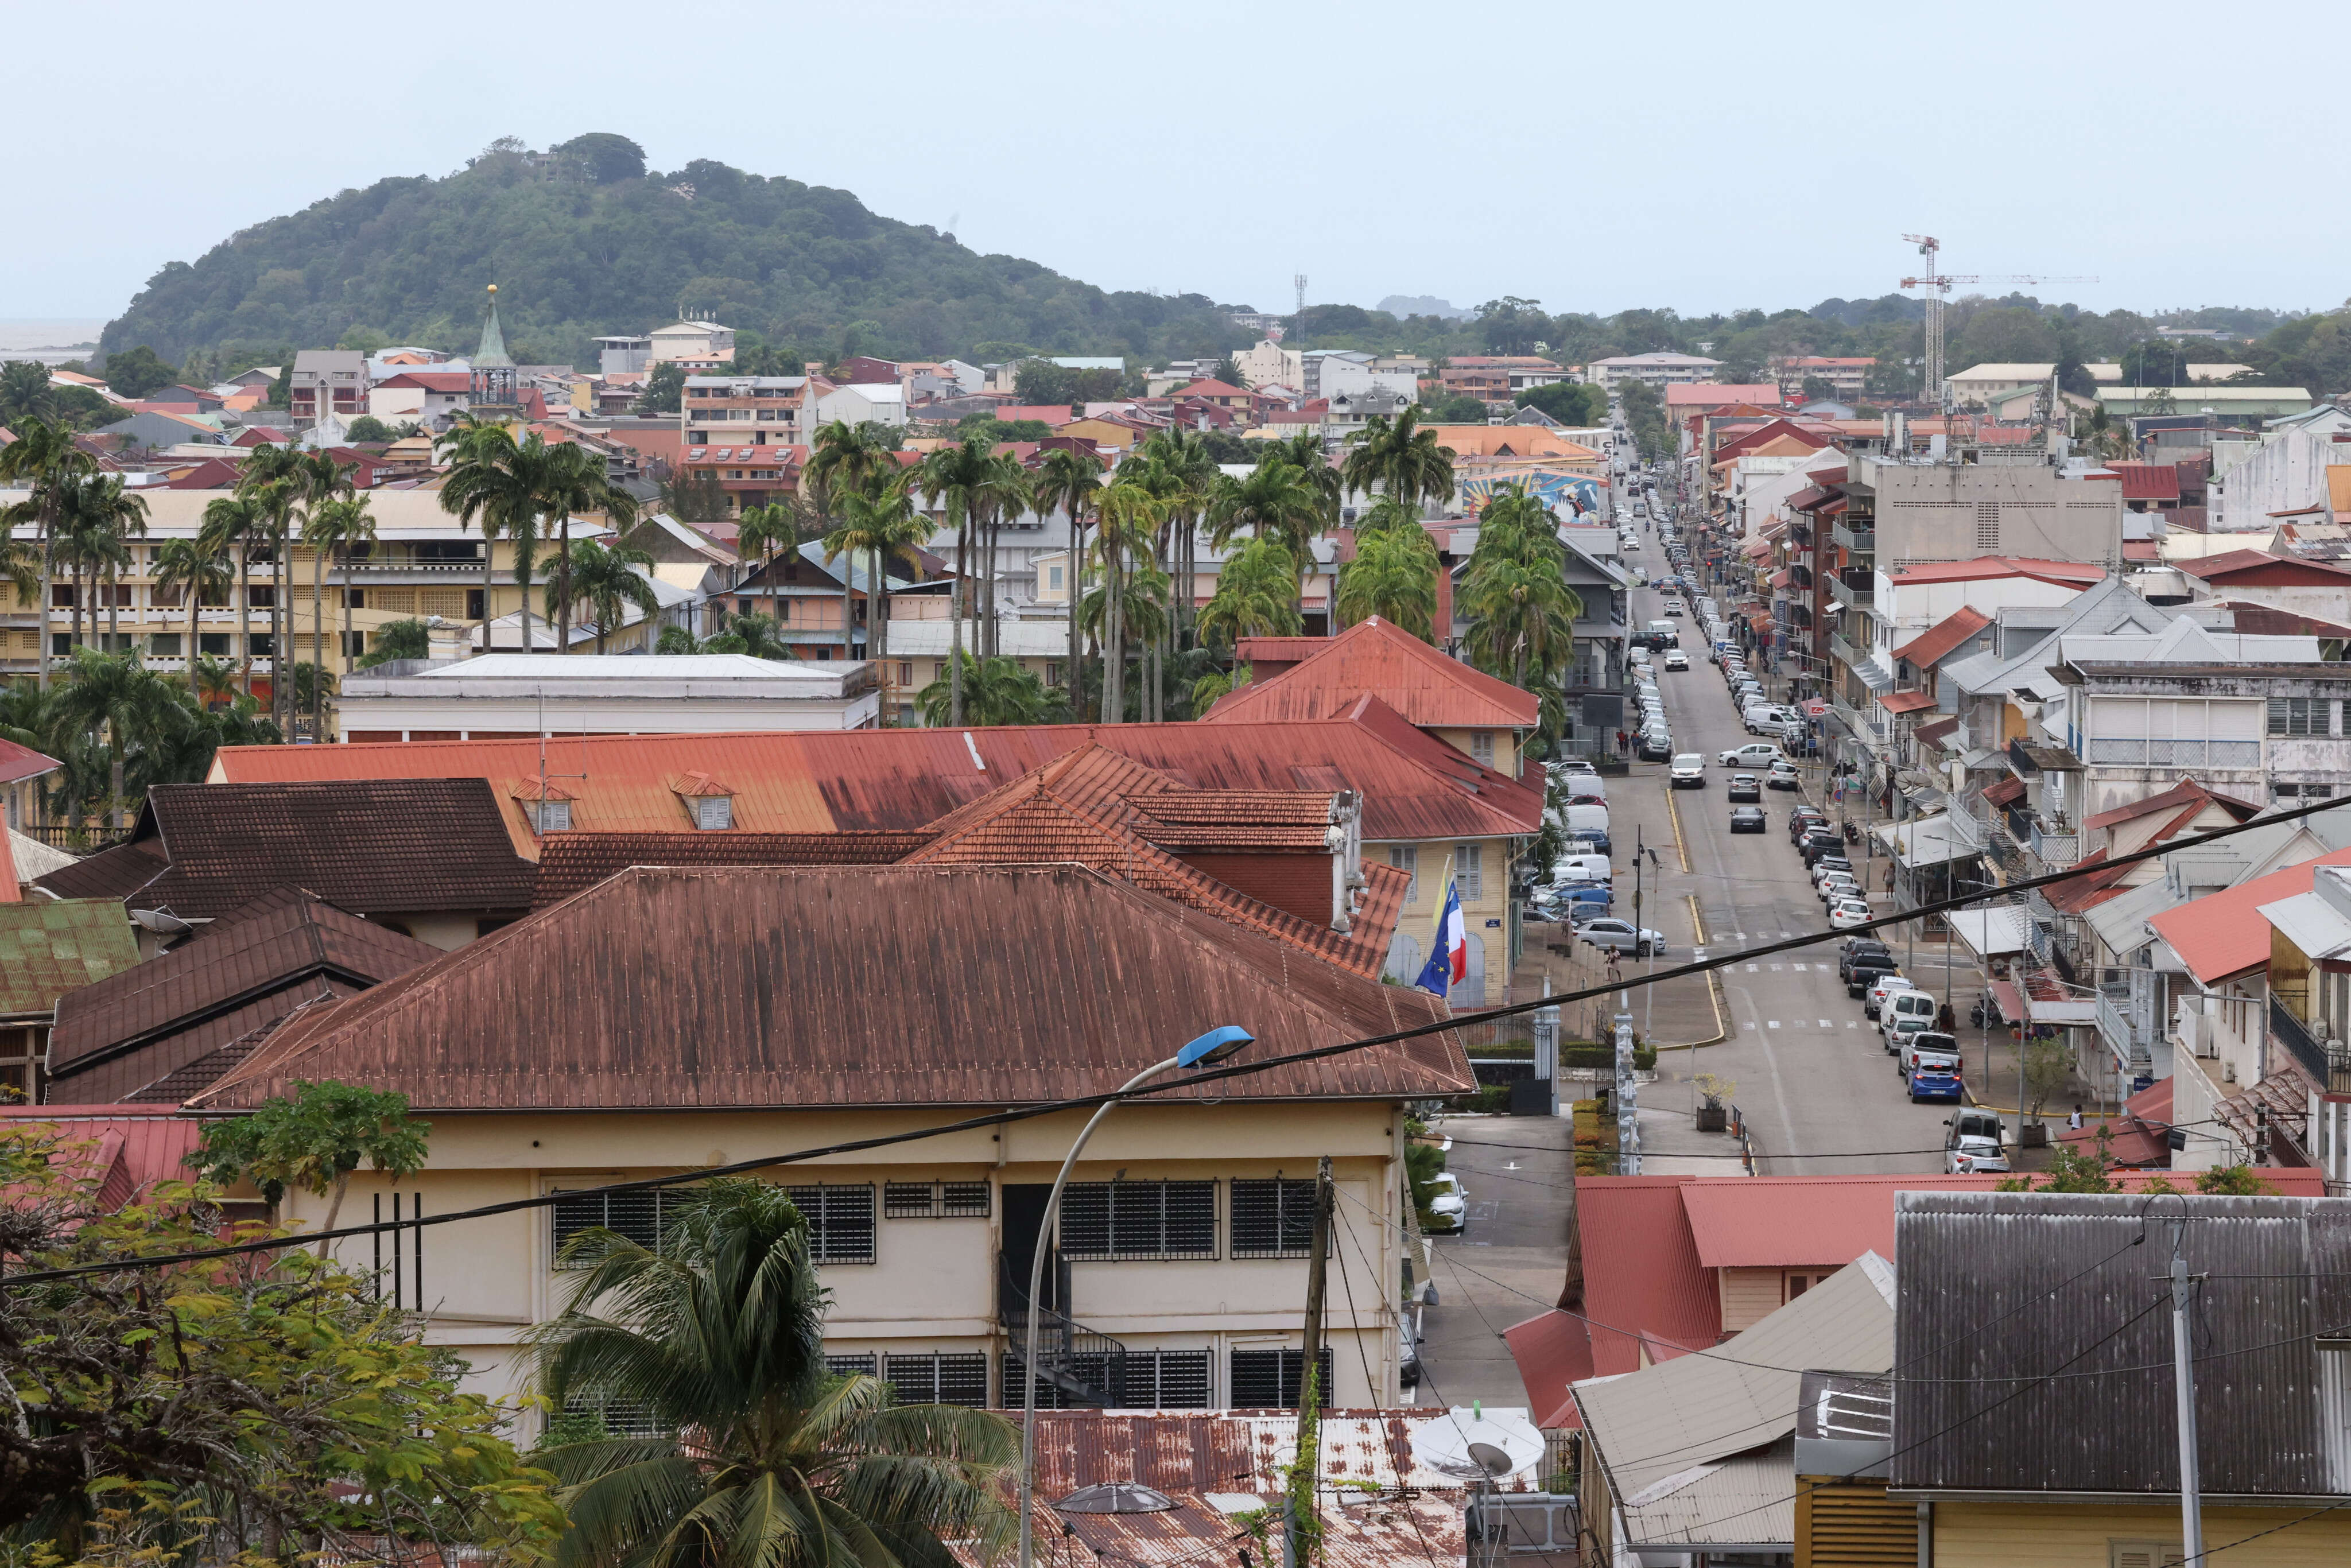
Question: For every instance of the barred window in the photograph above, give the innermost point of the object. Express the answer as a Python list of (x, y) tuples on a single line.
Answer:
[(839, 1221), (1273, 1218), (938, 1378), (1139, 1219), (2298, 715), (621, 1417), (634, 1215), (1269, 1379), (1137, 1380), (843, 1365), (935, 1200)]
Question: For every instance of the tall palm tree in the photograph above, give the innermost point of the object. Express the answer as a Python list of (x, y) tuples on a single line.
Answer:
[(26, 393), (767, 1461), (1522, 612), (108, 692), (843, 460), (1275, 501), (1257, 596), (187, 567), (880, 520), (765, 530), (89, 541), (498, 484), (20, 564), (45, 458), (1400, 458), (995, 691), (1128, 516), (1070, 480), (604, 580), (572, 478), (231, 521), (977, 484), (1174, 465), (274, 480), (332, 526), (1392, 576)]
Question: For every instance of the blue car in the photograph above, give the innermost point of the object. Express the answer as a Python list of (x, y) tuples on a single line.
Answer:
[(1596, 895), (1935, 1078), (1593, 841)]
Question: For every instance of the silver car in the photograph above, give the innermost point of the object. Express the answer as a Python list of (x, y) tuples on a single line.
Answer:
[(1621, 937)]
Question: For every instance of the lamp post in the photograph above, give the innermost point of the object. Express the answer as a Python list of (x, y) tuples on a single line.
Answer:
[(1218, 1045)]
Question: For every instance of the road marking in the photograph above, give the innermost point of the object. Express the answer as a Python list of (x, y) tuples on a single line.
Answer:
[(1850, 1024), (1777, 967), (1753, 967), (1698, 953), (1775, 1023), (1800, 968), (1825, 1024)]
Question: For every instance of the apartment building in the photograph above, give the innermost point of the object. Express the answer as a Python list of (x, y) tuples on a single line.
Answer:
[(1846, 376), (1660, 370), (326, 381)]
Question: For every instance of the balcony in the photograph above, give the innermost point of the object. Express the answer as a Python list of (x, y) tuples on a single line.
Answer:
[(2331, 1071), (1856, 657), (1861, 727), (2053, 848), (1853, 588)]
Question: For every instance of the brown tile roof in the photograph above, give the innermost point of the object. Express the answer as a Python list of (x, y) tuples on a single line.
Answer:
[(50, 947), (1944, 636), (573, 863), (1377, 658), (114, 873), (377, 846), (2186, 792), (728, 989), (115, 1038)]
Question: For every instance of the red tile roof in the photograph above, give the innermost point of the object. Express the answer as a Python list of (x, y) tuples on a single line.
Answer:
[(2219, 935), (432, 380), (1944, 636), (1211, 388), (1708, 394), (2007, 789), (2137, 1136), (2078, 573), (572, 863), (1377, 658), (1641, 1272)]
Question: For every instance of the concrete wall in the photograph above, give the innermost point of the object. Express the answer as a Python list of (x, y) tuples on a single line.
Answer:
[(1936, 512)]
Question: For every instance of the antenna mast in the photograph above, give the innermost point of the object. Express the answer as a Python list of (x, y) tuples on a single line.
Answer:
[(1298, 322)]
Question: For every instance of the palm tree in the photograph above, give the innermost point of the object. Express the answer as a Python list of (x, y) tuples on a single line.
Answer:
[(843, 460), (1276, 500), (1176, 467), (1392, 576), (573, 479), (767, 1461), (764, 531), (26, 393), (188, 567), (496, 484), (604, 580), (273, 481), (111, 692), (232, 520), (1257, 596), (1399, 458), (45, 458), (1128, 516), (976, 483), (212, 682), (1521, 610), (880, 520), (1070, 480), (995, 691), (761, 636), (334, 526), (90, 539)]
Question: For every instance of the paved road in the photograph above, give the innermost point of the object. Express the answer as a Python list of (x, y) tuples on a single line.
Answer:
[(1508, 1264), (1813, 1077)]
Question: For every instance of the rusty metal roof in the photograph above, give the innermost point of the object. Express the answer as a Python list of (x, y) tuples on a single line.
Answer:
[(574, 861), (733, 988), (1378, 658), (377, 846), (115, 1038), (51, 947), (117, 873)]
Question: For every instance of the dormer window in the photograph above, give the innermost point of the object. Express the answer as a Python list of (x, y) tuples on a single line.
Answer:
[(714, 812), (549, 816), (709, 804)]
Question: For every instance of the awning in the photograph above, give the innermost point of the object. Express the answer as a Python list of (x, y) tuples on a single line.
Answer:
[(1929, 841), (2065, 1011), (2005, 996), (1933, 734), (1779, 578), (1904, 701), (1991, 933), (2007, 789)]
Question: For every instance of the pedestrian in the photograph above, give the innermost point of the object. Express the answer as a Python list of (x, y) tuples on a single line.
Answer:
[(1946, 1021), (2074, 1122)]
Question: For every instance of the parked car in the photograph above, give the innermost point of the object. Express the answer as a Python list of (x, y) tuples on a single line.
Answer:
[(1589, 897), (1674, 607), (1838, 885), (1688, 771), (1847, 911), (1657, 748), (1579, 819), (1820, 842), (1904, 1012), (1588, 840), (1621, 937), (1827, 865), (1765, 718), (1782, 775), (1759, 754), (1853, 948), (1927, 1042), (1875, 991), (1802, 818), (1677, 659), (1743, 786), (1568, 870), (1747, 819), (1974, 1141), (1935, 1075), (1450, 1203)]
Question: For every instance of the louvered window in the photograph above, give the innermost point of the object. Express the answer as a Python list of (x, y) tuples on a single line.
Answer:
[(1269, 1379), (1122, 1219), (714, 812), (2145, 1554), (2298, 715), (1469, 871), (1988, 526), (839, 1221), (549, 816), (935, 1200), (1406, 858), (844, 1365), (1481, 748), (1273, 1218), (621, 1418), (1139, 1380), (634, 1215), (938, 1379)]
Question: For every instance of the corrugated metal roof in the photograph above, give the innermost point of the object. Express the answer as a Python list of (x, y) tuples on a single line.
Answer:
[(49, 947), (133, 1148), (1772, 1222), (574, 861), (1746, 1500), (2219, 935), (1553, 1350), (1929, 646), (1979, 1412), (1426, 686), (1641, 1270), (738, 988)]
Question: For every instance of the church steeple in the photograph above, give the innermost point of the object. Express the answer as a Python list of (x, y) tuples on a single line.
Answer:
[(494, 370)]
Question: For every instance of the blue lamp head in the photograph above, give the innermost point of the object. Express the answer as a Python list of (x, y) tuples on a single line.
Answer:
[(1216, 1045)]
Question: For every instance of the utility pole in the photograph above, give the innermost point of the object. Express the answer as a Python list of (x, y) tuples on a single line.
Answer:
[(2183, 1379), (1296, 1526)]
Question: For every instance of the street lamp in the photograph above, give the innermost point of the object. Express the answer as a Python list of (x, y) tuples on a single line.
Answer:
[(1218, 1045)]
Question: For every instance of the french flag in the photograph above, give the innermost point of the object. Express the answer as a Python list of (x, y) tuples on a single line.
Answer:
[(1448, 951)]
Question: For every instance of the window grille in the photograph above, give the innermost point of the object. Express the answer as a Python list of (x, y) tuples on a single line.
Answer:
[(621, 1417), (1273, 1218), (549, 816), (1139, 1219), (839, 1221), (938, 1378), (1142, 1380), (935, 1200), (2298, 715), (844, 1365), (634, 1215), (1269, 1379)]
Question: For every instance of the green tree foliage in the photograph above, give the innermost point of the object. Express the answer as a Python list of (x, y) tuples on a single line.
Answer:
[(995, 691), (769, 1460), (2072, 1170), (580, 246), (1521, 611), (1574, 405), (25, 393), (212, 1412), (693, 495), (1644, 417), (367, 427), (665, 390), (396, 640), (135, 373), (602, 584), (314, 1141), (989, 428), (1393, 577), (1042, 381), (1455, 408), (1256, 595)]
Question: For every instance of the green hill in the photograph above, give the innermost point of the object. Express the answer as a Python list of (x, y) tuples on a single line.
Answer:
[(583, 240)]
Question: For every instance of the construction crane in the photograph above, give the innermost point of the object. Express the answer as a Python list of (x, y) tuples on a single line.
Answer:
[(1938, 285)]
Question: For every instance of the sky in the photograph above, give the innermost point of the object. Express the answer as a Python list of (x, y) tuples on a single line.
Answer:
[(1702, 156)]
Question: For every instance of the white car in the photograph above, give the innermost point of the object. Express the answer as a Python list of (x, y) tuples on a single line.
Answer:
[(1765, 718), (1677, 659), (1688, 771), (1675, 607), (1847, 911), (1449, 1203), (1757, 754), (1874, 1001), (1782, 775), (1620, 937)]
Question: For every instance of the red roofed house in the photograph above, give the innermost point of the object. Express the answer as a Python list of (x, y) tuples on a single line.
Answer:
[(424, 396), (2314, 588), (2146, 487), (21, 770), (1244, 405)]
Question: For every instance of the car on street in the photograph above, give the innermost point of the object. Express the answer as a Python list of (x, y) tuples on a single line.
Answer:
[(1766, 718), (1782, 775), (1621, 937), (1657, 748), (1578, 763), (1688, 771), (1974, 1141), (1759, 755), (1592, 897), (1570, 869), (1746, 820), (1935, 1075), (1927, 1042), (1744, 786), (1449, 1203), (1675, 607), (1588, 840), (1677, 659), (1854, 947), (1802, 818), (1827, 866), (1838, 885), (1817, 844), (1905, 1012), (1847, 911), (1876, 989)]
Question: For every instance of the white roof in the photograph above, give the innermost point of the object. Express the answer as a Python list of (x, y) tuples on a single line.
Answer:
[(2185, 642), (1020, 639), (1990, 932), (610, 666), (2000, 372), (1661, 358), (2312, 922), (1928, 840), (876, 392), (2208, 393)]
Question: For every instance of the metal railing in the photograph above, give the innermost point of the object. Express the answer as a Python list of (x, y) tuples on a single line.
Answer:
[(1853, 588), (2122, 1039), (1856, 657), (1858, 724), (1854, 538), (2053, 848), (2330, 1069), (1083, 1364)]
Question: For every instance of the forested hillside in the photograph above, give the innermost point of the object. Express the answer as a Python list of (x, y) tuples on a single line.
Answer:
[(584, 240)]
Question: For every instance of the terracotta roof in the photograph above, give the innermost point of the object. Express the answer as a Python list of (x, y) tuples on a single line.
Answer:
[(2080, 574), (1210, 387), (128, 1148), (1904, 701), (2186, 792), (1414, 788), (375, 846), (115, 1038), (2096, 882), (1553, 1351), (572, 863), (1375, 656), (1641, 1270), (2220, 936), (49, 947), (740, 988), (1707, 395), (1932, 734), (21, 762), (2134, 1137), (1943, 636)]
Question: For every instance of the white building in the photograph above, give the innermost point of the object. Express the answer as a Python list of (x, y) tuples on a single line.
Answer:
[(690, 343), (859, 402), (624, 353), (1660, 370), (604, 694), (2285, 474), (1978, 384)]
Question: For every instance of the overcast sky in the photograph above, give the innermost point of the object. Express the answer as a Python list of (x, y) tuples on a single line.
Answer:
[(1702, 156)]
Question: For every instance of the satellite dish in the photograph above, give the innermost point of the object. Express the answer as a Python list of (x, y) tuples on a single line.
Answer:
[(1496, 1462), (1116, 1496)]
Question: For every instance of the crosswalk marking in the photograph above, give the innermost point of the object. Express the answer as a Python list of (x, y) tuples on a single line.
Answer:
[(1777, 967), (1850, 1024), (1775, 1023), (1753, 967), (1800, 968), (1825, 1024)]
